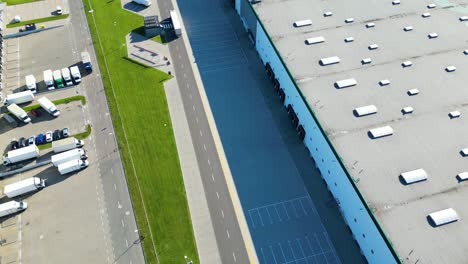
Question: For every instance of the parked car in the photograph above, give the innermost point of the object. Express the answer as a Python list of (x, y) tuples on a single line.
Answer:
[(56, 135), (22, 142), (40, 139), (14, 145), (48, 136), (58, 10), (36, 112), (65, 132), (31, 140)]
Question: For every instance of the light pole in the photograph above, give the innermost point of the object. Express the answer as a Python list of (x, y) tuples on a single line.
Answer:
[(188, 259)]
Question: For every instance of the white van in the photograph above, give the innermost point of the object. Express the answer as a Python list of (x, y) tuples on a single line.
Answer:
[(67, 77)]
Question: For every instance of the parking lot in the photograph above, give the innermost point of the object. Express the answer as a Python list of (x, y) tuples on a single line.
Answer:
[(67, 221)]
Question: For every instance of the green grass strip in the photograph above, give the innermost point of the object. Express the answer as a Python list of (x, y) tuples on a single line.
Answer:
[(58, 102), (81, 135), (138, 103), (18, 2), (38, 20)]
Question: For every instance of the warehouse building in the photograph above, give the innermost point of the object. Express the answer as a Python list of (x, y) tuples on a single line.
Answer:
[(377, 91)]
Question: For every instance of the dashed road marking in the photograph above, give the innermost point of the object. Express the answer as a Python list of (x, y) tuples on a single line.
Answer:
[(123, 224), (222, 213), (217, 194), (228, 235)]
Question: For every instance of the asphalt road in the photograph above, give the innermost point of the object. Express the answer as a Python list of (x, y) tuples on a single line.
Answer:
[(226, 227), (121, 220)]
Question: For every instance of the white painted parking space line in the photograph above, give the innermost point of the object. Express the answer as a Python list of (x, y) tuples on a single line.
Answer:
[(193, 107), (273, 254), (126, 242), (123, 224), (201, 133), (234, 256), (228, 235), (120, 207), (222, 213), (115, 187), (212, 177), (204, 147), (196, 119), (112, 171), (209, 163), (217, 195)]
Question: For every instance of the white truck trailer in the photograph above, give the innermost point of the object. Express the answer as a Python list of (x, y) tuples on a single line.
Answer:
[(49, 80), (31, 83), (75, 73), (19, 98), (12, 207), (86, 60), (21, 154), (72, 165), (67, 77), (19, 113), (66, 144), (176, 22), (73, 154), (22, 187), (48, 106)]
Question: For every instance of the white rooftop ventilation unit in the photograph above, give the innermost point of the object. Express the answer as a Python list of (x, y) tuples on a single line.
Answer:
[(349, 39), (303, 23), (349, 20), (365, 110), (381, 132), (413, 176), (373, 46), (396, 2), (463, 176), (345, 83), (413, 92), (464, 152), (433, 35), (407, 64), (450, 69), (430, 6), (443, 217), (329, 61), (315, 40), (425, 15), (408, 28), (327, 14), (384, 82), (366, 61), (370, 25), (407, 110), (465, 52), (463, 18), (454, 114)]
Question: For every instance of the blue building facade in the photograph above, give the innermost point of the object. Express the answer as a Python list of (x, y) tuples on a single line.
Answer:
[(358, 216)]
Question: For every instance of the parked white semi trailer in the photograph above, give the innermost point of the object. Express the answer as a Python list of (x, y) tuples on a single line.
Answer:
[(73, 154), (19, 113), (66, 144), (176, 22), (31, 83), (67, 77), (22, 187), (12, 207), (72, 165), (75, 73), (49, 79), (19, 98), (48, 106), (21, 154)]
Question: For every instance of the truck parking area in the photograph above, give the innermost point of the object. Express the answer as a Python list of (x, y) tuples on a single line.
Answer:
[(67, 221)]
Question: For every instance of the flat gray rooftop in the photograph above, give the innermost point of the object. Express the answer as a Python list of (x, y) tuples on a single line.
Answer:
[(428, 138)]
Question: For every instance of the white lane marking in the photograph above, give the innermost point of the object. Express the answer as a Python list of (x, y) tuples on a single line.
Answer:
[(228, 235), (126, 242), (222, 213), (112, 171), (188, 85), (123, 225), (212, 177), (204, 146), (209, 163), (217, 194), (196, 119), (193, 107), (120, 207), (201, 133)]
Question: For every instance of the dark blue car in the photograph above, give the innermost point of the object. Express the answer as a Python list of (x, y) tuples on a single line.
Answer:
[(40, 139)]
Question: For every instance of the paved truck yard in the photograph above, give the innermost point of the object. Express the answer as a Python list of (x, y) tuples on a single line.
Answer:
[(84, 216)]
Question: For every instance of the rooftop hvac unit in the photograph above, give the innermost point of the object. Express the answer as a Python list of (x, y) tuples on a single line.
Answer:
[(329, 61), (454, 114), (349, 20), (443, 217), (327, 14), (408, 28), (315, 40), (414, 176), (349, 39), (425, 15), (365, 110), (366, 61), (303, 23), (463, 176), (430, 6), (381, 132), (345, 83)]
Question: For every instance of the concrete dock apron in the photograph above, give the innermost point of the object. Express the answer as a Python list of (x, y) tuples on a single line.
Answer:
[(220, 150)]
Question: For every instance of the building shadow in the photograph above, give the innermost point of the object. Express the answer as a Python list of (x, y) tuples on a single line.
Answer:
[(134, 7)]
